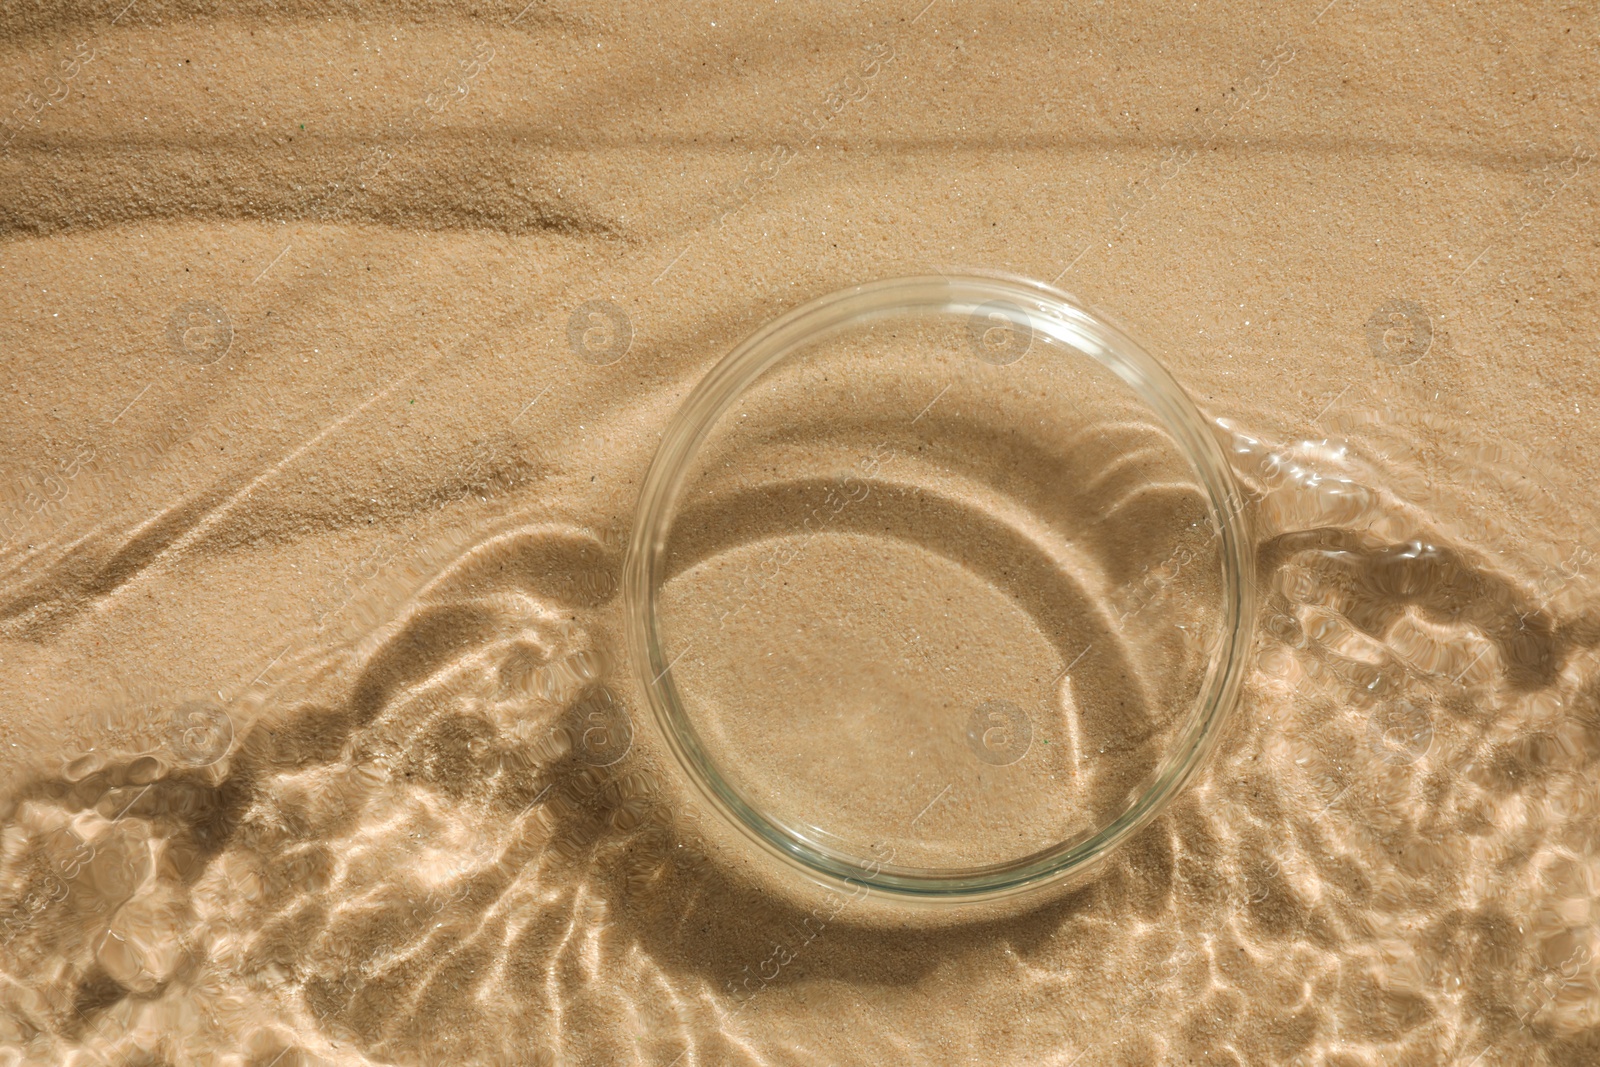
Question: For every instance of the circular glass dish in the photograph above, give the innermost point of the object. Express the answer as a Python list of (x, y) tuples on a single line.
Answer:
[(938, 587)]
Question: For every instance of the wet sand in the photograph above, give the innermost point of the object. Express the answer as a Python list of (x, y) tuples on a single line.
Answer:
[(339, 339)]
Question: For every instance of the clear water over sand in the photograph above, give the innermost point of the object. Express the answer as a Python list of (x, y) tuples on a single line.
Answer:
[(318, 743)]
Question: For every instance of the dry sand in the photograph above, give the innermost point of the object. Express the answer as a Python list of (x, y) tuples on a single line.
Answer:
[(320, 462)]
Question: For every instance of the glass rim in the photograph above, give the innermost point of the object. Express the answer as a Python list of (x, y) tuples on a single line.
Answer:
[(1049, 311)]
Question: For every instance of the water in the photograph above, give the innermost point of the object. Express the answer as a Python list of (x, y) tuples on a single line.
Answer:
[(433, 839)]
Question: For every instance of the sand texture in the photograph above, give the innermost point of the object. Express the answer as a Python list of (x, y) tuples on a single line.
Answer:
[(337, 338)]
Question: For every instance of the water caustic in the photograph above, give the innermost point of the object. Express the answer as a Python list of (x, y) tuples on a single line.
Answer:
[(455, 841)]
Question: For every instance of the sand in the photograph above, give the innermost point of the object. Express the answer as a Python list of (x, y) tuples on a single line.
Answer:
[(337, 341)]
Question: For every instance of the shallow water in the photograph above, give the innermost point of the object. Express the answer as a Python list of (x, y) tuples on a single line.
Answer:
[(338, 344), (443, 840)]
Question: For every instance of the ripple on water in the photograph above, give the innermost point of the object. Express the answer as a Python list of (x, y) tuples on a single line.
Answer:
[(451, 837)]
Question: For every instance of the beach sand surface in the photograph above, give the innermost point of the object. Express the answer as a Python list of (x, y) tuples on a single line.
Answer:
[(338, 339)]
